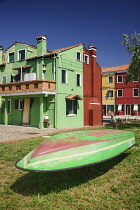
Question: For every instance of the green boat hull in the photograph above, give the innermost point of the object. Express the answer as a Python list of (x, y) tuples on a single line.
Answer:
[(77, 149)]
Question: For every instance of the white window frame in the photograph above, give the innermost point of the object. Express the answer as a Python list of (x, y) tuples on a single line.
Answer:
[(138, 92), (108, 93), (72, 114), (66, 76), (19, 103), (79, 80), (120, 110), (118, 91), (108, 79), (86, 56), (14, 57), (80, 55), (135, 105), (118, 79), (3, 77), (25, 55)]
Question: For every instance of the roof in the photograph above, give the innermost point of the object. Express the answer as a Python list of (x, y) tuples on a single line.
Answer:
[(17, 42), (115, 68), (23, 67), (52, 52), (74, 96)]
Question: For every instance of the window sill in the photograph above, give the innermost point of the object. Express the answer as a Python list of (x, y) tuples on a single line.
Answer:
[(71, 115), (21, 60)]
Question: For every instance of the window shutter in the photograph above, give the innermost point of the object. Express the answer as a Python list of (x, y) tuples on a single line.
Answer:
[(16, 104), (67, 107), (75, 106)]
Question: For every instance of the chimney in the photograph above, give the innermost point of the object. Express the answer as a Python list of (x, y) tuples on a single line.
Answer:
[(41, 45), (1, 54), (92, 52)]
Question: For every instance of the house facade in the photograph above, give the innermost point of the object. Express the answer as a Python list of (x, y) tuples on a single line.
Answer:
[(108, 92), (42, 88), (92, 88), (126, 97)]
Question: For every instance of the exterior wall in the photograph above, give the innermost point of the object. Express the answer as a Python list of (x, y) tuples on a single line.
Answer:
[(54, 107), (67, 60), (127, 98), (106, 86), (92, 91), (37, 67)]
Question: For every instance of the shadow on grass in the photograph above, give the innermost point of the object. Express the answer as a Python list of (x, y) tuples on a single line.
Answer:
[(53, 182)]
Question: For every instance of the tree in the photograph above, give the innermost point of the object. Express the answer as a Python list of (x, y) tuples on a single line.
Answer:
[(132, 44)]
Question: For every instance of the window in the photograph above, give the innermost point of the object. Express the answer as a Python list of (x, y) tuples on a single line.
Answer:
[(110, 108), (110, 93), (21, 55), (78, 79), (86, 59), (11, 57), (110, 79), (78, 56), (64, 76), (120, 93), (135, 107), (19, 104), (119, 78), (71, 107), (4, 79), (135, 92), (119, 108)]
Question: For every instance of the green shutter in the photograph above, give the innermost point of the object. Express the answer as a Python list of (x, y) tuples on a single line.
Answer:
[(67, 107), (11, 57), (16, 104), (22, 54), (75, 106), (9, 106)]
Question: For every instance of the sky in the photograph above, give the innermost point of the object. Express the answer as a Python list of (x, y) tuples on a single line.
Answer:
[(65, 23)]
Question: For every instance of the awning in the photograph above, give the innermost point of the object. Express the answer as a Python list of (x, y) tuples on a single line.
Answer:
[(74, 96), (135, 108), (23, 67), (119, 107)]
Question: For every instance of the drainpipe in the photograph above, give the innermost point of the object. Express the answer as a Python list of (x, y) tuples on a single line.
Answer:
[(37, 70), (21, 74), (55, 114), (54, 67)]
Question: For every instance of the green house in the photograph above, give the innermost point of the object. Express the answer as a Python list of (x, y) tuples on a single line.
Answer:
[(41, 88)]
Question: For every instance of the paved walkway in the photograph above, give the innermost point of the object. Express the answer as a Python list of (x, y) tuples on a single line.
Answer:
[(9, 133)]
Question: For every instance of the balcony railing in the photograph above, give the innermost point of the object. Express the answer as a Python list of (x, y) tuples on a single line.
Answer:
[(27, 87)]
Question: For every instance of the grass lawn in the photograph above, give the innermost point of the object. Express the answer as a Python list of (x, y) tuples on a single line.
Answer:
[(113, 184)]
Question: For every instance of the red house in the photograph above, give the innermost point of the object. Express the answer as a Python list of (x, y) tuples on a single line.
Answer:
[(92, 81), (127, 96)]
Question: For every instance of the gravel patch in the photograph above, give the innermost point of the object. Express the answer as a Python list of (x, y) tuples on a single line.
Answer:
[(10, 133)]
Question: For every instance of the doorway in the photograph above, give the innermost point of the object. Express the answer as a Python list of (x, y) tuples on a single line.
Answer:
[(127, 109), (26, 111)]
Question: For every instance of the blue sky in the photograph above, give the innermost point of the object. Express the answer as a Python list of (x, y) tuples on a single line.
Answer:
[(66, 23)]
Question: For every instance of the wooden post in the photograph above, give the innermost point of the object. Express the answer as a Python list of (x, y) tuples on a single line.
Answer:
[(41, 112)]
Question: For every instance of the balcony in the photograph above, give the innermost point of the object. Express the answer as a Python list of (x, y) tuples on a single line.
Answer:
[(28, 88)]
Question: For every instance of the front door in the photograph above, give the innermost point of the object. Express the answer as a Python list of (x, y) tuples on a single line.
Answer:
[(127, 109), (26, 111)]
